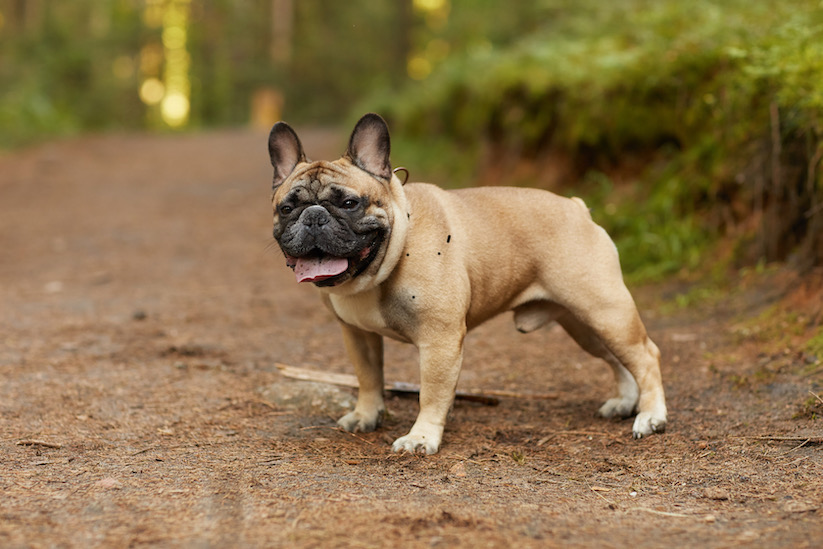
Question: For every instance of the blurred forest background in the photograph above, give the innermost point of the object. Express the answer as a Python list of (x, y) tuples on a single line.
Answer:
[(693, 129)]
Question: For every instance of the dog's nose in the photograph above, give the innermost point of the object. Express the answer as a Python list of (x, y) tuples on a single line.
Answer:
[(315, 216)]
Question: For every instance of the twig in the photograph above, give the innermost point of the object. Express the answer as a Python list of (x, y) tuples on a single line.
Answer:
[(803, 439), (798, 460), (612, 505), (815, 395), (143, 451), (355, 435), (514, 394), (43, 443), (262, 402), (487, 397), (802, 444), (553, 480), (661, 513)]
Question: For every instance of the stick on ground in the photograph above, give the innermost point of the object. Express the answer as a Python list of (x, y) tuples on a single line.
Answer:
[(43, 443), (487, 397)]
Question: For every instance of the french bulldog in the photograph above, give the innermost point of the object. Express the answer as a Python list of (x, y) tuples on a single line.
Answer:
[(423, 265)]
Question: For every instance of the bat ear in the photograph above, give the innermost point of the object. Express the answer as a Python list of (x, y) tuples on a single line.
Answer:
[(370, 146), (285, 152)]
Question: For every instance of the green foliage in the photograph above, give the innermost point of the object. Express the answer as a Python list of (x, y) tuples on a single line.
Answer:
[(655, 227), (689, 87), (814, 346), (790, 62), (54, 83), (683, 121), (452, 166), (78, 66)]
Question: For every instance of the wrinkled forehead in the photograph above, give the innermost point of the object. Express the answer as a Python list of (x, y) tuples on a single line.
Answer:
[(319, 181)]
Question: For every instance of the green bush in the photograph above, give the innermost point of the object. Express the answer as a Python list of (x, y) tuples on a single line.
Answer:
[(696, 90), (58, 77)]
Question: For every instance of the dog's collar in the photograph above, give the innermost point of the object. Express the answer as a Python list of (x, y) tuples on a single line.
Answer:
[(405, 171)]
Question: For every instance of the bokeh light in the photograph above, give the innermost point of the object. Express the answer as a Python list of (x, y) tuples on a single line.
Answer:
[(175, 109), (152, 91), (429, 5), (165, 66), (418, 67), (176, 105)]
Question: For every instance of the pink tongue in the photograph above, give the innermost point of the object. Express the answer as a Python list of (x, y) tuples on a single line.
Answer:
[(313, 269)]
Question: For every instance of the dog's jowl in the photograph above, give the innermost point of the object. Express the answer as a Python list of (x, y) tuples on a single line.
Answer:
[(422, 265)]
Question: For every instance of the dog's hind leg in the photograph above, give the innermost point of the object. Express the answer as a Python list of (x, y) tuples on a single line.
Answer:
[(595, 295), (628, 393), (642, 360), (603, 318), (535, 314), (617, 325)]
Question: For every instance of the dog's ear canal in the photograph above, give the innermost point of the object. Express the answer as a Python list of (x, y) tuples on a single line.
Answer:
[(285, 152), (370, 146)]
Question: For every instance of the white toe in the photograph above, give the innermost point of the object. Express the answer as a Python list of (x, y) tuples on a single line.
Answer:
[(646, 423), (618, 407), (355, 421), (415, 444)]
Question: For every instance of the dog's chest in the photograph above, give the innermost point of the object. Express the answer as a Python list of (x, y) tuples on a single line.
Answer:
[(362, 311)]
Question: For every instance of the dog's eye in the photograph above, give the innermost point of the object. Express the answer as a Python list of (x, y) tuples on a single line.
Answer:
[(286, 209), (351, 203)]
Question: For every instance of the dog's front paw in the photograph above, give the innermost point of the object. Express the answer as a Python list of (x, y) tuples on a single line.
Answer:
[(618, 407), (355, 421), (424, 438), (647, 423), (418, 444)]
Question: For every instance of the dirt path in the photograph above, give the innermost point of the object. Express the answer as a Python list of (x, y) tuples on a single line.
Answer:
[(141, 315)]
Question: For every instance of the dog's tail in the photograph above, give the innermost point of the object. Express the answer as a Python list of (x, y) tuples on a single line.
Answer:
[(579, 202)]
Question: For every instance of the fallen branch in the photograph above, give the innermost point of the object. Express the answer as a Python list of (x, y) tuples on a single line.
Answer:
[(663, 513), (487, 397), (514, 394), (803, 439), (144, 450), (43, 443)]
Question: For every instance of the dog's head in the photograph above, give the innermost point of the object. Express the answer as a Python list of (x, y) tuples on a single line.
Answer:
[(334, 220)]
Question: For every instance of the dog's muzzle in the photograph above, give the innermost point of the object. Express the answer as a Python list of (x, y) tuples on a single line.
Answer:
[(321, 250), (314, 218)]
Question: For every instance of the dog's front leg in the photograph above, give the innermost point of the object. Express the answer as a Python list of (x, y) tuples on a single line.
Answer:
[(440, 364), (365, 350)]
